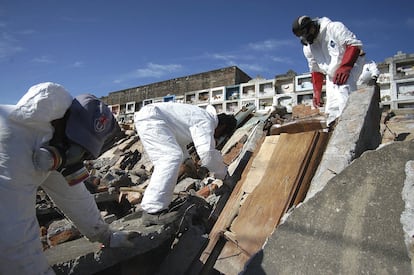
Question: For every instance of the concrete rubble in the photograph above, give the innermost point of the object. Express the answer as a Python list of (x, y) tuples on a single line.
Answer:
[(354, 220), (352, 226), (349, 221)]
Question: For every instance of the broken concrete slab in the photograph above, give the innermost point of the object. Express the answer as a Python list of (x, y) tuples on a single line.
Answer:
[(357, 130), (407, 217), (352, 226), (84, 257)]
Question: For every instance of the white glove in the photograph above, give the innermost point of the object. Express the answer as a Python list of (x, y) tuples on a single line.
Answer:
[(118, 239)]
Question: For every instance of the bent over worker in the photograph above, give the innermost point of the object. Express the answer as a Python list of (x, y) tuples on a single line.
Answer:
[(335, 55), (165, 130), (44, 140)]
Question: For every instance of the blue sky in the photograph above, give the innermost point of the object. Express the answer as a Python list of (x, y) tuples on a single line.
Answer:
[(99, 47)]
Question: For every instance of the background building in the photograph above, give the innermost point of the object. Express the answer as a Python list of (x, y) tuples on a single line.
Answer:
[(228, 89)]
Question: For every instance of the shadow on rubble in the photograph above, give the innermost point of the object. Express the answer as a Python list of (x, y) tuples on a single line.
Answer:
[(145, 264), (401, 136)]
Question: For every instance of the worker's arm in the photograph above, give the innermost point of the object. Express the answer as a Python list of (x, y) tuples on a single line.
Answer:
[(350, 57), (78, 204), (317, 82), (204, 143)]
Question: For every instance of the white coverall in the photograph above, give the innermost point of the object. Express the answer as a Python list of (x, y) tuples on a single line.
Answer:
[(23, 128), (165, 130), (325, 54), (370, 71)]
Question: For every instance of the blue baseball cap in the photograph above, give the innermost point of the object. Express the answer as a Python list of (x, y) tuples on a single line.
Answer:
[(90, 123)]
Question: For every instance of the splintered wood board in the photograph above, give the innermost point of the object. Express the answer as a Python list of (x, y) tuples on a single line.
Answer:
[(316, 155), (264, 207), (250, 178), (259, 164)]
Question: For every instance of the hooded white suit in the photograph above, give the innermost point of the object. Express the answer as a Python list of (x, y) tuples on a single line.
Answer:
[(325, 54), (23, 128), (165, 130)]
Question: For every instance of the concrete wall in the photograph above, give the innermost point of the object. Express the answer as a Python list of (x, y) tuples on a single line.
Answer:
[(178, 86)]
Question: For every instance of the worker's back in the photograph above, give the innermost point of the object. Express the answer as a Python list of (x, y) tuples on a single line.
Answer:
[(181, 118)]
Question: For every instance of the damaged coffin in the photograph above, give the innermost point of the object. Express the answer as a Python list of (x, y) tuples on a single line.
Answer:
[(277, 178)]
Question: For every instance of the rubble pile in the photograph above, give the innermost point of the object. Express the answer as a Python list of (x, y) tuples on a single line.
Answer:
[(281, 165), (119, 177)]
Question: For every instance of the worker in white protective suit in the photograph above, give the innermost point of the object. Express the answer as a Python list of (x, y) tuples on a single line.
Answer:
[(369, 75), (165, 130), (335, 56), (44, 139)]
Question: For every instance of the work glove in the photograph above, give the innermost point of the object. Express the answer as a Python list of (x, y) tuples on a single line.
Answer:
[(317, 82), (121, 239), (342, 73)]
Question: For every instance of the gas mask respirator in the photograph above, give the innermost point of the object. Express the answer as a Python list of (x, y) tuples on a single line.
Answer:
[(67, 160), (306, 29)]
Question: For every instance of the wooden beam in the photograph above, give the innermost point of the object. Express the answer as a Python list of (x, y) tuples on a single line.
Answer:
[(317, 150)]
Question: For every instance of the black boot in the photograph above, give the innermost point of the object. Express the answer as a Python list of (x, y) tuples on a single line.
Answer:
[(160, 218)]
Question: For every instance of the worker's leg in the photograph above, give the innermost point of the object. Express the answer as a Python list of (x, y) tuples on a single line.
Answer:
[(166, 155), (336, 99)]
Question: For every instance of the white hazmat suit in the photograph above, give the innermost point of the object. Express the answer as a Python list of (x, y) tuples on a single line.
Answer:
[(23, 128), (370, 73), (165, 130), (325, 55)]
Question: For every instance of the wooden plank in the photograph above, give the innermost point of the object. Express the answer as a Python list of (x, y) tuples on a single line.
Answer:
[(298, 126), (232, 206), (231, 255), (313, 163), (259, 164), (263, 208), (238, 169)]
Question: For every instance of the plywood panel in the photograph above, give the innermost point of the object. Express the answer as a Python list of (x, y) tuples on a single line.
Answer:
[(263, 208), (257, 165), (316, 155), (260, 163)]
